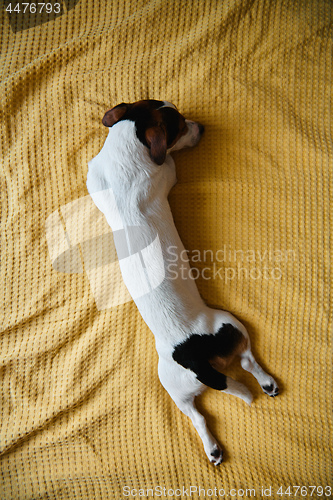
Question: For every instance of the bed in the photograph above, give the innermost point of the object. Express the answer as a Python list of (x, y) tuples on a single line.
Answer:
[(83, 414)]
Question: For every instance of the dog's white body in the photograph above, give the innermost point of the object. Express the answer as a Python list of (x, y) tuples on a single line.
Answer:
[(128, 187)]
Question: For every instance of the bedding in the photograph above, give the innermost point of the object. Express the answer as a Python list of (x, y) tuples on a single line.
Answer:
[(83, 414)]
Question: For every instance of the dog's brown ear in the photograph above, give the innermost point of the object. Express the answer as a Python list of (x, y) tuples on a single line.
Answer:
[(157, 142), (113, 115)]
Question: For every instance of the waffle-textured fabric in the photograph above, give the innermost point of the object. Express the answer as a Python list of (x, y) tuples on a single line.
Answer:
[(83, 414)]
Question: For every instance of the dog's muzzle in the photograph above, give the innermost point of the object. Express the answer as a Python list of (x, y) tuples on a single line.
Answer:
[(192, 136), (195, 131)]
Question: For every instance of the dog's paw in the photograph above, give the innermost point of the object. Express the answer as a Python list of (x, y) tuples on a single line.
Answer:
[(216, 455), (271, 388)]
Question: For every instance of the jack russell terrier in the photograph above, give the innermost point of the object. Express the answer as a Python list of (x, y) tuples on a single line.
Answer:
[(129, 181)]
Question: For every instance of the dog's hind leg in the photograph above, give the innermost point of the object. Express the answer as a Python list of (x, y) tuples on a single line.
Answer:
[(248, 362), (267, 383), (182, 387), (238, 389), (212, 448)]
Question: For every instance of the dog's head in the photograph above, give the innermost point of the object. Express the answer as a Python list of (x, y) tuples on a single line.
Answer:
[(159, 126)]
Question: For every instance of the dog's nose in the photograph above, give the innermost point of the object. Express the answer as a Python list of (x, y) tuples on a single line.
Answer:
[(201, 128)]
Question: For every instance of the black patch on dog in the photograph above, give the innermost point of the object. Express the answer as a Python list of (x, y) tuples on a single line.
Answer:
[(195, 353)]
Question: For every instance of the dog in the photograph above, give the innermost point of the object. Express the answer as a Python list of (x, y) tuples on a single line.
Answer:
[(129, 181)]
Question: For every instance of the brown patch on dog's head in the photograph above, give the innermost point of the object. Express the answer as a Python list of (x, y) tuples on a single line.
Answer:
[(157, 143), (158, 124), (115, 114)]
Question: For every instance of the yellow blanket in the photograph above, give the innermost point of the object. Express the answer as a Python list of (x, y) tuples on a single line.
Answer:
[(83, 414)]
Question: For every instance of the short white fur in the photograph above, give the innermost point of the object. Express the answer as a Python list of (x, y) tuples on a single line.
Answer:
[(131, 190)]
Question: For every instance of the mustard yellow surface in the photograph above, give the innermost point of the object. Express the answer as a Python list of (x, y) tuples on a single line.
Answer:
[(83, 415)]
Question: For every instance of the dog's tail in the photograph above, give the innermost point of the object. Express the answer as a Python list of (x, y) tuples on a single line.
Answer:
[(217, 380), (202, 353)]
